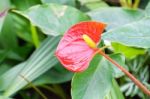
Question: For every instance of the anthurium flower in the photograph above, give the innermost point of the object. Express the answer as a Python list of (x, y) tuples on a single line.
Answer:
[(73, 51), (79, 45)]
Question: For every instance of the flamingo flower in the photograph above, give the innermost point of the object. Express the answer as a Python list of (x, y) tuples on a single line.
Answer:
[(78, 45)]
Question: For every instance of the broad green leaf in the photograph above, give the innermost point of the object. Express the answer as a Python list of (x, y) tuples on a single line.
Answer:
[(24, 4), (3, 54), (20, 53), (4, 6), (120, 59), (9, 54), (143, 4), (54, 76), (133, 34), (95, 82), (7, 78), (129, 52), (2, 17), (40, 61), (128, 27), (65, 2), (23, 33), (88, 1), (8, 40), (95, 5), (4, 68), (3, 97), (148, 9), (115, 92), (115, 16), (53, 19)]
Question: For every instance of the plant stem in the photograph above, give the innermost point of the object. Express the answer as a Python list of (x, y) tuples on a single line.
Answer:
[(34, 87), (136, 4), (137, 82), (34, 36), (57, 91), (129, 3), (123, 3), (60, 91)]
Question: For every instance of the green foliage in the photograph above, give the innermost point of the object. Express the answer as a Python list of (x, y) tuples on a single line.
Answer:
[(54, 76), (3, 97), (55, 19), (88, 5), (131, 35), (24, 4), (115, 17), (115, 92), (64, 2), (11, 41), (4, 6), (91, 83), (121, 60), (129, 52), (137, 67), (37, 64), (29, 34)]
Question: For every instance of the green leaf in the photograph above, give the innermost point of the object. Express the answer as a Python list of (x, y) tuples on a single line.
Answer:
[(120, 59), (20, 53), (3, 54), (2, 17), (134, 34), (6, 80), (54, 76), (4, 6), (40, 61), (87, 6), (3, 97), (87, 1), (115, 17), (4, 68), (95, 5), (143, 4), (64, 2), (128, 27), (11, 41), (24, 4), (9, 54), (115, 92), (148, 9), (53, 19), (95, 82), (129, 52)]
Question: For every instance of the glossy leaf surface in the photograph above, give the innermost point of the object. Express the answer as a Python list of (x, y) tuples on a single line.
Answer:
[(55, 19), (116, 16), (40, 61), (90, 84)]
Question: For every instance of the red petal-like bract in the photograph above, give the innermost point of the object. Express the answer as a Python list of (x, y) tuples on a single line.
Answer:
[(72, 51)]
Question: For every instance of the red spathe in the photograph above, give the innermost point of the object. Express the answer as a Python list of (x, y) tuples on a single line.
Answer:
[(72, 50)]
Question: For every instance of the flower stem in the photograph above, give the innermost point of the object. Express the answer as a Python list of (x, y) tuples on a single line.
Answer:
[(137, 82)]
